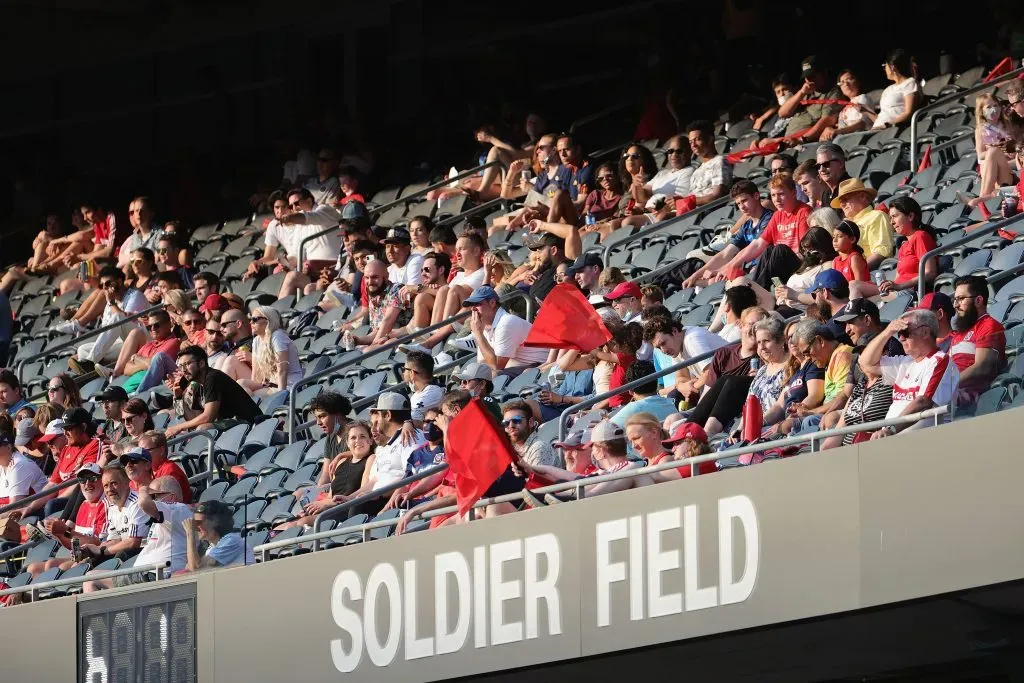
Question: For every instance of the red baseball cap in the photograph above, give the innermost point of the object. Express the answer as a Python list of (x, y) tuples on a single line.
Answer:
[(687, 430), (937, 301), (624, 289), (214, 302)]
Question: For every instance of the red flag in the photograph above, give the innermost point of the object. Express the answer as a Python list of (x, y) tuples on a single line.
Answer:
[(478, 452), (566, 320), (926, 159), (685, 204), (1003, 67)]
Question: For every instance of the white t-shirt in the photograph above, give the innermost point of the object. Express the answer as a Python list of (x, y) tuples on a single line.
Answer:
[(390, 459), (283, 236), (710, 174), (799, 282), (133, 301), (303, 166), (934, 376), (506, 336), (851, 115), (892, 102), (696, 342), (409, 274), (21, 477), (323, 248), (166, 540), (127, 522), (730, 332), (280, 341), (471, 280), (422, 401), (324, 192), (136, 241), (229, 550), (672, 182)]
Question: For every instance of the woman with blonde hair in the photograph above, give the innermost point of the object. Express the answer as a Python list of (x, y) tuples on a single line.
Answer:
[(275, 359), (644, 433), (177, 302)]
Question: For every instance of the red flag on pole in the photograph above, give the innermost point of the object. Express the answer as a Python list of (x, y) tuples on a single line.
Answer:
[(478, 452), (926, 159), (566, 320), (1003, 67)]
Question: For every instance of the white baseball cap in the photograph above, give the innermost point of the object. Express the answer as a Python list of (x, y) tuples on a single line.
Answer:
[(54, 429)]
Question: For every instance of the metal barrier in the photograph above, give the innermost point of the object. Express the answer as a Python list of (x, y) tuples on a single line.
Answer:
[(472, 211), (394, 343), (469, 173), (662, 225), (36, 496), (34, 588), (211, 440), (948, 99), (578, 485), (970, 237), (85, 337)]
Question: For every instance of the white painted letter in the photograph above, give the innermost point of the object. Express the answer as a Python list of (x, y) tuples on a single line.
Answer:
[(383, 576), (456, 565), (346, 581), (546, 589), (608, 572), (480, 596), (415, 648), (501, 591), (659, 561), (636, 568), (696, 597), (742, 508)]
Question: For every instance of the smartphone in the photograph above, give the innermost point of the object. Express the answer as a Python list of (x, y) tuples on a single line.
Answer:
[(76, 549), (776, 281)]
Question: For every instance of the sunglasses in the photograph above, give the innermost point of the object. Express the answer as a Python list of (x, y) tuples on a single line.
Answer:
[(512, 420), (213, 331), (630, 155), (193, 321), (257, 319), (675, 150), (162, 250), (904, 334), (154, 327), (824, 164), (109, 284), (606, 177), (54, 388), (88, 479), (294, 205)]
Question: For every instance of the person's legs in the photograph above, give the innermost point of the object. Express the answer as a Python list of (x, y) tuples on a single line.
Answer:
[(995, 172), (729, 403), (92, 308), (292, 281), (132, 343), (776, 261), (54, 505), (562, 209), (160, 365)]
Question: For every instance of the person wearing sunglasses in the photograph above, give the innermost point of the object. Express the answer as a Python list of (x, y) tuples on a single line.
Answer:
[(830, 160), (275, 358), (204, 396), (219, 354), (278, 237), (61, 389), (152, 361), (924, 378), (521, 428), (306, 219), (90, 522), (212, 524)]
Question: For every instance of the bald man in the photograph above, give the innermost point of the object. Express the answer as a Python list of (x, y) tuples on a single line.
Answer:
[(385, 309)]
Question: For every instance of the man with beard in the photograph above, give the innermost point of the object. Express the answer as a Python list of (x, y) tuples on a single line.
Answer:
[(587, 271), (203, 396), (978, 342), (385, 309), (219, 355), (831, 293)]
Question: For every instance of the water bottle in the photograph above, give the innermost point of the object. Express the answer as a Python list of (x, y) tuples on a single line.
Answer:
[(879, 278)]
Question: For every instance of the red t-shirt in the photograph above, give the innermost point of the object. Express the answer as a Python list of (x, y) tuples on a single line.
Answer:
[(91, 518), (72, 458), (986, 333), (685, 470), (787, 227), (618, 378), (845, 266), (168, 346), (104, 231), (171, 469), (908, 257)]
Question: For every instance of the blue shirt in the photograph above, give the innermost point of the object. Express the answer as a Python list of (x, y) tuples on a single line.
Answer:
[(659, 406), (750, 231), (424, 457), (561, 180), (796, 388), (229, 550), (581, 178), (13, 410), (662, 361)]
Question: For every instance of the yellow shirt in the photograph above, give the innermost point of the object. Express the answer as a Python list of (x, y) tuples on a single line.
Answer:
[(876, 234), (837, 371)]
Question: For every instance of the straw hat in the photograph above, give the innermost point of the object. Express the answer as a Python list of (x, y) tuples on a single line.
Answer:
[(852, 186)]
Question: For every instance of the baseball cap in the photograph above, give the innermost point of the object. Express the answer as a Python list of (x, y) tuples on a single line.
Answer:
[(809, 66), (479, 295), (827, 279), (73, 417), (855, 308), (686, 430), (91, 468), (353, 211), (586, 261), (606, 431), (137, 453), (214, 302), (390, 400), (624, 289), (397, 236), (25, 432), (476, 371), (577, 439), (937, 301), (113, 393), (54, 429), (539, 240)]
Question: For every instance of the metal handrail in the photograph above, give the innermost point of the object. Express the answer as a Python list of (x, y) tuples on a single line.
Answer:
[(376, 211), (394, 343), (472, 211), (36, 496), (158, 567), (662, 225), (578, 484), (960, 94), (210, 452), (84, 337), (967, 239)]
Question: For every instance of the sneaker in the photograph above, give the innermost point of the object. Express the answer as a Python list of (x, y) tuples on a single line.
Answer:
[(464, 343), (442, 359), (407, 348), (80, 367), (68, 327), (102, 370)]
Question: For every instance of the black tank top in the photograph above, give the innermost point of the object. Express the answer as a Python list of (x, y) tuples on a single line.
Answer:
[(348, 477)]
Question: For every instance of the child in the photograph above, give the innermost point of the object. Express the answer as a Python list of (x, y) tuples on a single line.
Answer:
[(614, 360), (850, 261)]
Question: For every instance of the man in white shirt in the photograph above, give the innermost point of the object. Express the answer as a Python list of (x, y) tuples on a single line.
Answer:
[(405, 267), (121, 301), (19, 476), (673, 180), (681, 344), (126, 526), (306, 219), (712, 178), (324, 185), (276, 236), (391, 456), (499, 335), (418, 373), (140, 215)]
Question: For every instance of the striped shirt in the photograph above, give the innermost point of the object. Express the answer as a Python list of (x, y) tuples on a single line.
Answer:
[(933, 376)]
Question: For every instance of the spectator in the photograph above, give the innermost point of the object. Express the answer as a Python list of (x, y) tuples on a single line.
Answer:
[(900, 99), (436, 268), (212, 523), (625, 299), (817, 343), (922, 379), (713, 176), (854, 198), (682, 344), (783, 89), (307, 218), (831, 160), (118, 302), (603, 203), (687, 440), (406, 268), (443, 241), (645, 396), (651, 296), (61, 389), (92, 242), (75, 431), (206, 284), (499, 335), (850, 260), (419, 375), (275, 358), (587, 271), (806, 122), (136, 418), (521, 428), (146, 365), (10, 392), (127, 523), (113, 400), (26, 438), (991, 138), (238, 333), (805, 387), (831, 293), (783, 234), (324, 185), (348, 183), (154, 443), (576, 452), (204, 396), (869, 401), (645, 436), (19, 475), (277, 235), (90, 522), (144, 234), (817, 255), (810, 184), (771, 378), (331, 411), (385, 310), (52, 230), (863, 323), (942, 306), (753, 220), (219, 355), (978, 341), (172, 258), (549, 251), (851, 118), (142, 270), (419, 234), (906, 217), (737, 299), (137, 464)]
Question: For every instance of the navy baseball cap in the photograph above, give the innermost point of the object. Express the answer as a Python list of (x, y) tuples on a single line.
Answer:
[(827, 279)]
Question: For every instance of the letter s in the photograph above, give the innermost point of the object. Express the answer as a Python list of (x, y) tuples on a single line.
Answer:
[(346, 581)]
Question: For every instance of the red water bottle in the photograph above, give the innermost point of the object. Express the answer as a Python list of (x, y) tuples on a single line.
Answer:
[(753, 419)]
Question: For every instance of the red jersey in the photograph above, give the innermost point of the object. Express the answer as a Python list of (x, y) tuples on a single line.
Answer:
[(72, 458), (908, 257), (686, 470), (986, 333), (787, 228), (104, 231), (618, 378), (168, 346), (845, 266), (169, 468), (91, 518)]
